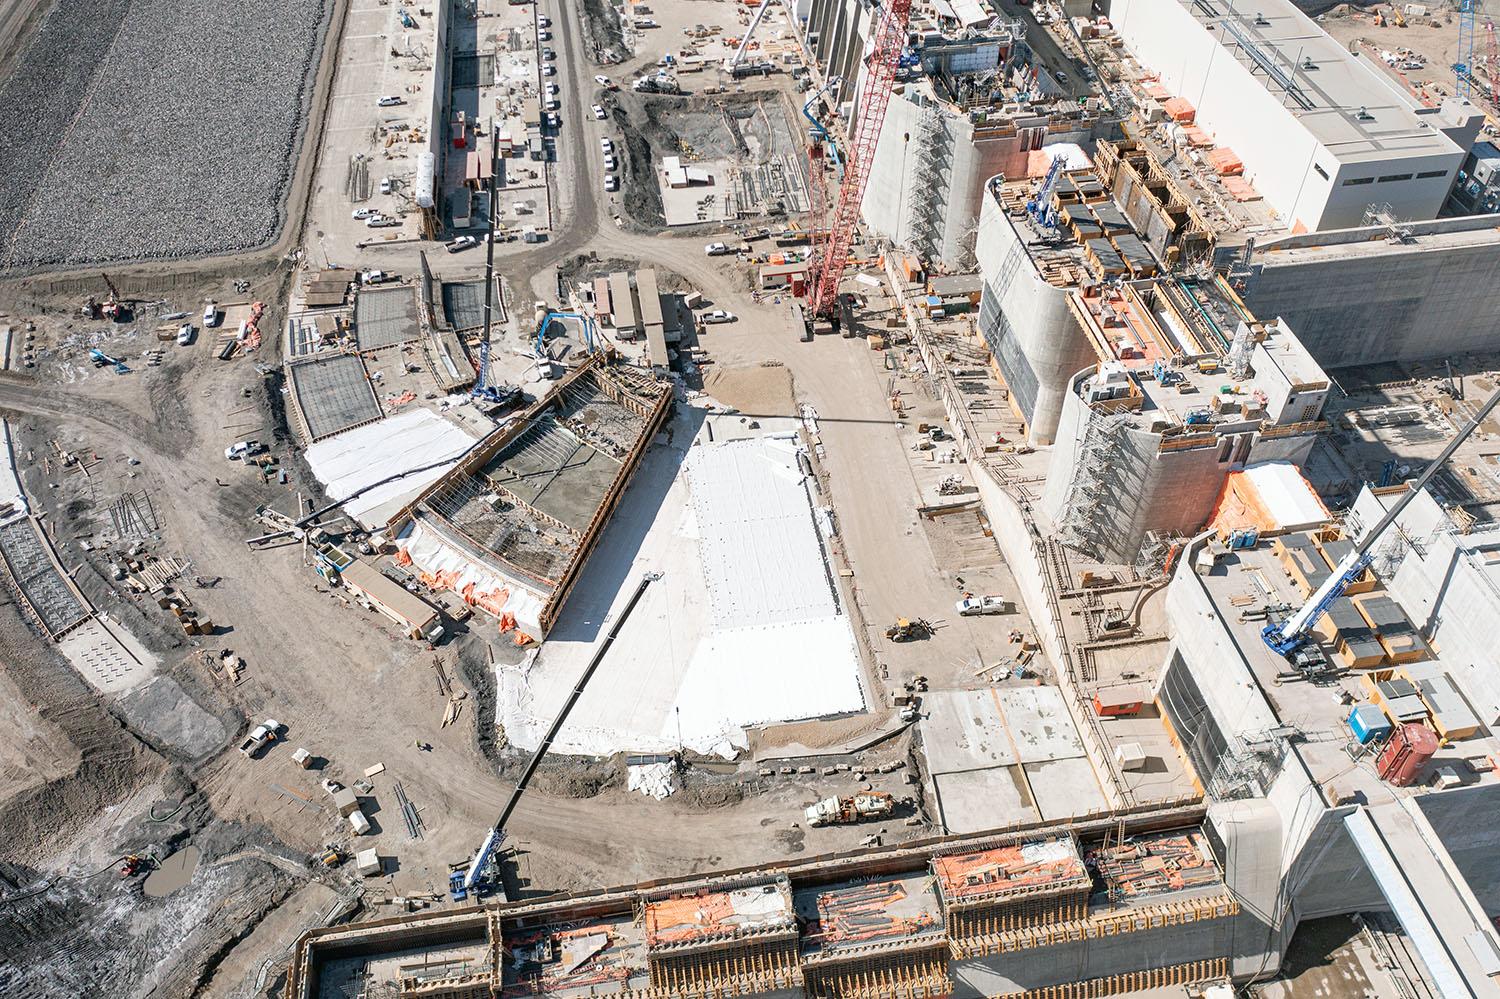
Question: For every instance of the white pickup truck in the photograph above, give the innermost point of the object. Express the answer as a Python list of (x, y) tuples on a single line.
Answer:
[(975, 606), (260, 737)]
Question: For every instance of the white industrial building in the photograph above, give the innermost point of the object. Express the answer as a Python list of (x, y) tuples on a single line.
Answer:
[(1321, 133)]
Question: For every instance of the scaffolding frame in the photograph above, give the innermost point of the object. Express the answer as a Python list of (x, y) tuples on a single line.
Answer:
[(1095, 478)]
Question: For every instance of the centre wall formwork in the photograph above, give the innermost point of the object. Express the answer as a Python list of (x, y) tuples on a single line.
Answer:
[(1204, 943), (960, 157), (1169, 490)]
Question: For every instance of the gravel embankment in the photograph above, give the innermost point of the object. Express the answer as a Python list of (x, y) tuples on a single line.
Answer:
[(152, 130)]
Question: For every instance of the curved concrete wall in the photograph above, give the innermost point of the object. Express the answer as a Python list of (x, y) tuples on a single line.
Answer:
[(1037, 342)]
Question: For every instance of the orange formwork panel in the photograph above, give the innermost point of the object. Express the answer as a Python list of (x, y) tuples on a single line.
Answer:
[(1241, 189), (1179, 110), (1224, 161), (1196, 137)]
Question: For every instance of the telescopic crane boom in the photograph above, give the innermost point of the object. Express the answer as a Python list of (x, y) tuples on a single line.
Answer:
[(1287, 636)]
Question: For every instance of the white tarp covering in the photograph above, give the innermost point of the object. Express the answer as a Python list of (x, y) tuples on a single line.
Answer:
[(12, 496), (1074, 156), (655, 780), (742, 628), (1287, 496), (348, 462), (431, 555)]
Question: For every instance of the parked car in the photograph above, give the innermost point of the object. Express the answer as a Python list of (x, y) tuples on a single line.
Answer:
[(381, 222), (610, 163), (390, 102), (387, 185), (544, 21), (599, 112), (604, 81), (717, 316), (606, 145), (717, 249), (554, 120), (364, 213), (544, 36), (184, 334), (611, 182), (548, 54), (549, 70), (261, 736), (210, 316), (551, 89), (462, 243)]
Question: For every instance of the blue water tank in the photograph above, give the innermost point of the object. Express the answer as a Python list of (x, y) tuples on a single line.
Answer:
[(1368, 723)]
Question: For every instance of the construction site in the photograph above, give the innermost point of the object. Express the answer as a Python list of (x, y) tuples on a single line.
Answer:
[(925, 499)]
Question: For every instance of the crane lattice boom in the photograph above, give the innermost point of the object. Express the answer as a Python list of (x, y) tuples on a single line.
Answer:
[(880, 74)]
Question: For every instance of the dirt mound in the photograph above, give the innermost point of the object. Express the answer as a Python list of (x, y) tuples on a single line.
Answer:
[(604, 32), (112, 761)]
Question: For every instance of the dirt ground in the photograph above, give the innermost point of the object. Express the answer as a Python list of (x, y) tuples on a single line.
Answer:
[(1435, 38), (83, 782)]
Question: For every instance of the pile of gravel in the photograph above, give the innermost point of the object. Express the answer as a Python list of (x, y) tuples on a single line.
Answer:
[(154, 130)]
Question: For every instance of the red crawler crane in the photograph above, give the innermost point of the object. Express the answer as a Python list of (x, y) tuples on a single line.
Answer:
[(880, 74)]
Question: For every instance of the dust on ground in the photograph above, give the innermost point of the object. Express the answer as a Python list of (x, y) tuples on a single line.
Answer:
[(763, 390)]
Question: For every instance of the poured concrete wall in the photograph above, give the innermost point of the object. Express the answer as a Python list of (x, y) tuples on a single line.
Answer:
[(839, 26), (1382, 302), (1464, 819), (961, 163), (1152, 489), (1037, 342)]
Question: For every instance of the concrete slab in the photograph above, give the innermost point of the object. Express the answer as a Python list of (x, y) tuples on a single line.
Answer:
[(30, 564), (963, 731), (1064, 788), (982, 799), (107, 657), (384, 317), (463, 305), (334, 394), (163, 711), (1039, 724)]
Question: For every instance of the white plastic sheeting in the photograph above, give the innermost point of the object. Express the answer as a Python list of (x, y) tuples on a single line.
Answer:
[(431, 555), (655, 780), (348, 462), (1287, 496), (742, 628), (12, 496)]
